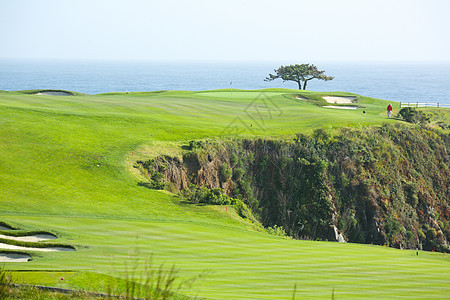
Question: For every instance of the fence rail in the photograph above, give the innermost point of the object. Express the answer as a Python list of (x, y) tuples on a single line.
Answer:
[(423, 104)]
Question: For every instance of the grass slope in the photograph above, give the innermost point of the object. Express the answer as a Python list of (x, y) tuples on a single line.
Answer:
[(66, 167)]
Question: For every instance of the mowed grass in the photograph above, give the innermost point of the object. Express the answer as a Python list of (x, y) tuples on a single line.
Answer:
[(66, 167), (241, 263)]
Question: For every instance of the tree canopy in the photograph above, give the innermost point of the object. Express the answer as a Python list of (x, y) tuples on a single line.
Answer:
[(299, 73)]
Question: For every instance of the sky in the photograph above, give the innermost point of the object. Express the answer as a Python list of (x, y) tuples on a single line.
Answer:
[(231, 30)]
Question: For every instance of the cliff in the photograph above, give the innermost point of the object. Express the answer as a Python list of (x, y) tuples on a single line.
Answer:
[(385, 185)]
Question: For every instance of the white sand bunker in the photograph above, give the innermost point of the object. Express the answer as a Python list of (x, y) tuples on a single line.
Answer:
[(4, 228), (29, 238), (54, 93), (339, 100), (46, 249), (14, 257), (301, 97), (341, 107)]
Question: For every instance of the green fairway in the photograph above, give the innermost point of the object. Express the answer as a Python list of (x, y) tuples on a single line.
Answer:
[(66, 166)]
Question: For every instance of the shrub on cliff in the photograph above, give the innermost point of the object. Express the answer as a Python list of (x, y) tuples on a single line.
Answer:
[(412, 115)]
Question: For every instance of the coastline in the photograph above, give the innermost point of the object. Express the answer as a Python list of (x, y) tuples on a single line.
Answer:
[(405, 82)]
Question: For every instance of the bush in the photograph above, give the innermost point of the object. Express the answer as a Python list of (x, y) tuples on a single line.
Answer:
[(233, 159), (194, 145), (217, 197), (226, 172), (242, 210), (321, 136), (412, 115), (277, 230), (209, 196), (238, 172), (391, 227), (410, 235), (431, 234), (157, 185), (420, 234)]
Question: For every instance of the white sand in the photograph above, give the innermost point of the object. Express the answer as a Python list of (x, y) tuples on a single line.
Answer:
[(301, 98), (47, 249), (4, 228), (339, 100), (29, 238), (55, 93), (14, 257), (341, 107)]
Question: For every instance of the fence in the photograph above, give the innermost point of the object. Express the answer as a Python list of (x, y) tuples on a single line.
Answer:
[(423, 104)]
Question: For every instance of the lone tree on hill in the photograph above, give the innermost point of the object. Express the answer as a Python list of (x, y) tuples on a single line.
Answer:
[(299, 73)]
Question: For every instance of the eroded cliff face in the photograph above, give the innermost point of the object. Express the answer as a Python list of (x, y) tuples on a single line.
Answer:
[(384, 185)]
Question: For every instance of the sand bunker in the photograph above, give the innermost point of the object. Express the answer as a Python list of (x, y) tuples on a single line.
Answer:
[(301, 97), (46, 249), (14, 257), (29, 238), (341, 107), (4, 226), (54, 93), (339, 100)]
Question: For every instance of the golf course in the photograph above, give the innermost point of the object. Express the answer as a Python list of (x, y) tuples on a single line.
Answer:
[(68, 183)]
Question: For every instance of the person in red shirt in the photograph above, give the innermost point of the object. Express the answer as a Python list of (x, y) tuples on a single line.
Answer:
[(389, 110)]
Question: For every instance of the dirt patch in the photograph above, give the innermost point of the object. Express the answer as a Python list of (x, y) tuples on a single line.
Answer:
[(14, 257), (29, 238)]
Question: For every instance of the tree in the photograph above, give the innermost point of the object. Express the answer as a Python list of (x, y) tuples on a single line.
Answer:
[(299, 73)]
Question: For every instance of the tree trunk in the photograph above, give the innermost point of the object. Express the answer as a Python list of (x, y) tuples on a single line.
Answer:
[(304, 85), (299, 85)]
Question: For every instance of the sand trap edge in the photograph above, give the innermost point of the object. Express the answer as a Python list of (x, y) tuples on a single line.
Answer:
[(30, 238), (47, 248), (54, 93), (14, 257), (339, 99), (6, 226), (341, 107)]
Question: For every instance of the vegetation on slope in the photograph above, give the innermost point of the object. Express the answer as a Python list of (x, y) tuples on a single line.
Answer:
[(381, 185)]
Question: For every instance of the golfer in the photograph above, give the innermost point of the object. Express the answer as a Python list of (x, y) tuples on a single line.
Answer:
[(389, 110)]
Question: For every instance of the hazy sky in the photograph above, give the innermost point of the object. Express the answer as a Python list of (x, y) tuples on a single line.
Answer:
[(257, 30)]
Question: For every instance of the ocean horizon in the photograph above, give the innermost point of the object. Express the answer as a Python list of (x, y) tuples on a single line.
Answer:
[(396, 81)]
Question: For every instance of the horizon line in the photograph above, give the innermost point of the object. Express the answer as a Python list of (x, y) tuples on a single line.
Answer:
[(277, 61)]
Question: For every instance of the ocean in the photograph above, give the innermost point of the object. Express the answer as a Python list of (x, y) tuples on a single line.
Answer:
[(413, 82)]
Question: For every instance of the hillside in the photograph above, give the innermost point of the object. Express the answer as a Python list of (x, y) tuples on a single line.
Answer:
[(67, 169), (386, 185)]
